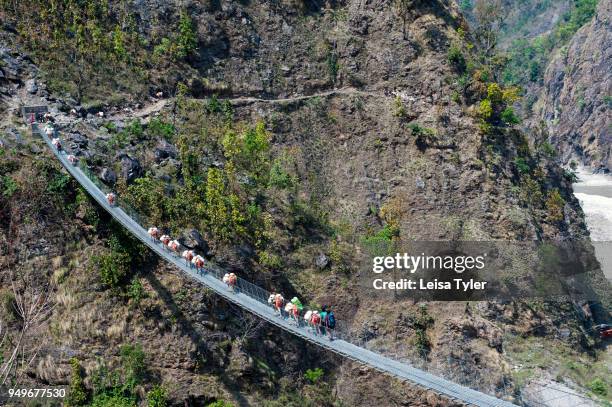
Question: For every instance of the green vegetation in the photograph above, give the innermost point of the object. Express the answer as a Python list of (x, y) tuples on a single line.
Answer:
[(114, 266), (9, 186), (77, 393), (599, 387), (75, 41), (456, 58), (313, 376), (398, 108), (495, 109), (554, 205), (528, 58), (420, 323)]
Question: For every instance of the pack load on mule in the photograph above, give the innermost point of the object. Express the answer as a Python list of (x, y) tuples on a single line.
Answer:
[(278, 303), (295, 301), (198, 262), (174, 245), (56, 143), (308, 318), (111, 198), (315, 321), (188, 256), (72, 159), (165, 239), (231, 281), (153, 232), (289, 308)]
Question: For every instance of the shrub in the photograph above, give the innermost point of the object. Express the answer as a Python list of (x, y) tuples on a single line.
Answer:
[(77, 394), (456, 58), (220, 403), (522, 166), (187, 39), (548, 150), (157, 397), (136, 292), (509, 117), (158, 128), (112, 267), (333, 66), (313, 376), (133, 363), (599, 387), (399, 109), (485, 110), (279, 178), (113, 400), (9, 186), (554, 205)]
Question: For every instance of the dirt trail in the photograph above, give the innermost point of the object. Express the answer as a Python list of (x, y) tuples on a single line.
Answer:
[(244, 100)]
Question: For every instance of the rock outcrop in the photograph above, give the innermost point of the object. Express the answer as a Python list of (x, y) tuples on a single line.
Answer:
[(576, 104)]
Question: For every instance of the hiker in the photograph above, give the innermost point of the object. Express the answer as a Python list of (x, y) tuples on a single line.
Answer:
[(174, 246), (56, 143), (298, 309), (73, 112), (323, 315), (110, 198), (48, 117), (165, 239), (271, 299), (330, 323), (188, 256), (278, 304), (100, 114), (159, 95), (72, 159), (153, 232), (198, 261), (49, 130), (315, 322)]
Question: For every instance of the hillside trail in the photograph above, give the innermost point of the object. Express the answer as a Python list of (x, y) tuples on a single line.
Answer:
[(159, 104)]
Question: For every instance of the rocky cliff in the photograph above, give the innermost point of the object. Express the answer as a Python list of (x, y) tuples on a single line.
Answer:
[(576, 103)]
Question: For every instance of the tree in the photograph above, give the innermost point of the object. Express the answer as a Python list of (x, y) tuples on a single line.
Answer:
[(403, 9), (77, 394), (489, 16), (187, 39)]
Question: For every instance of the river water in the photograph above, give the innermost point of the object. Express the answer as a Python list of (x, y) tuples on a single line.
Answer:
[(594, 191)]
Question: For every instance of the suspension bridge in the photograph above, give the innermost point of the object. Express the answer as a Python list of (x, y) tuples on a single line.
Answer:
[(253, 298)]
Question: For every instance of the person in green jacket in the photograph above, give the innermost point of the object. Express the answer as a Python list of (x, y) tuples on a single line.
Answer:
[(323, 314)]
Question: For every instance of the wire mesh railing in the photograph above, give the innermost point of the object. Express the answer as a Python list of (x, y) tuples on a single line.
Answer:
[(395, 351)]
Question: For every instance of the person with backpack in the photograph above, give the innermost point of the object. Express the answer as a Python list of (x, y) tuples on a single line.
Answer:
[(323, 315), (330, 323)]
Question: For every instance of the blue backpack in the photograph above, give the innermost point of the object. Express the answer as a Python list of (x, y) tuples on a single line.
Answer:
[(331, 320)]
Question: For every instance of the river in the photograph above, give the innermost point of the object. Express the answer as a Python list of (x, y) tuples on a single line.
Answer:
[(594, 191)]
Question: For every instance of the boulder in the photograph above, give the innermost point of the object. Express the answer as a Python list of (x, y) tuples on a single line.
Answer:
[(130, 168), (193, 240), (322, 261), (164, 150), (108, 176), (31, 86)]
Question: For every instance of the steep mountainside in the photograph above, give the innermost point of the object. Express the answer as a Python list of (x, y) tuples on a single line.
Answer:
[(288, 136), (576, 103)]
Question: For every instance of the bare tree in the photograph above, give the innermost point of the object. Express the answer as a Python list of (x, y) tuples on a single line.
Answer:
[(250, 325), (489, 16), (32, 306)]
